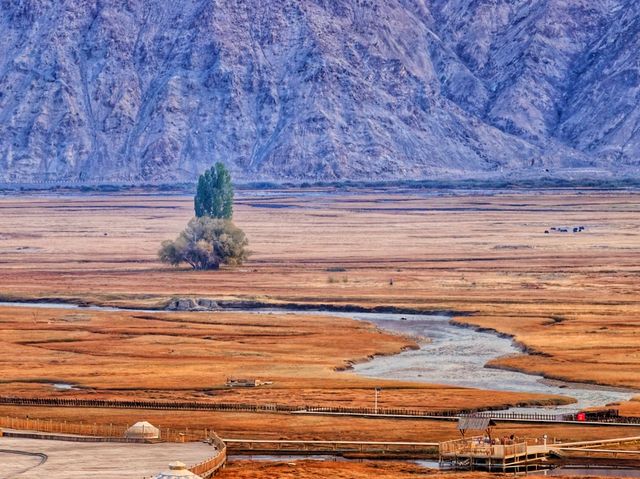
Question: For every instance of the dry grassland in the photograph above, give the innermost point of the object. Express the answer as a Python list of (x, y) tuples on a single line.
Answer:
[(572, 298), (333, 470), (310, 427), (187, 356), (342, 470)]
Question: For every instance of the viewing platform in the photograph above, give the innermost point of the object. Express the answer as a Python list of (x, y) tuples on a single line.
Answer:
[(479, 453)]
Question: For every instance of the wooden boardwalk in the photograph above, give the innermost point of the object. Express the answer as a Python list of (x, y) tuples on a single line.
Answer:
[(368, 413), (625, 448), (377, 448), (620, 441), (475, 453)]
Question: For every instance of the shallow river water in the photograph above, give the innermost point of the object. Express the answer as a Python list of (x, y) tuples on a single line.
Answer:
[(448, 354), (458, 355)]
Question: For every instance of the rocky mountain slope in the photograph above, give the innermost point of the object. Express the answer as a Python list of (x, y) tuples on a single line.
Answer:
[(155, 91)]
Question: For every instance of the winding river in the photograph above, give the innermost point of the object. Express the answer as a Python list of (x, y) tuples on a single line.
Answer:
[(448, 354), (457, 355)]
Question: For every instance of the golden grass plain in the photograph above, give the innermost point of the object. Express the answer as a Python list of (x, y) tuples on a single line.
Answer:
[(342, 470), (571, 298), (310, 427), (189, 356)]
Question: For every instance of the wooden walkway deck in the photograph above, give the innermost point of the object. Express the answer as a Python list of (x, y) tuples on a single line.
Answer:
[(474, 453), (368, 413), (378, 448), (625, 448)]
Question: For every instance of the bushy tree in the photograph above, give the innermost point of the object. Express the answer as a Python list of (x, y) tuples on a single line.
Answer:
[(206, 243), (214, 196)]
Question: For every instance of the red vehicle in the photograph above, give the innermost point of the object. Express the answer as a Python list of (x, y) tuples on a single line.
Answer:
[(598, 415)]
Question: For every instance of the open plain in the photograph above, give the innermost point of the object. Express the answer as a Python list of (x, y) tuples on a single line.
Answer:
[(572, 297), (189, 356), (498, 260), (341, 470)]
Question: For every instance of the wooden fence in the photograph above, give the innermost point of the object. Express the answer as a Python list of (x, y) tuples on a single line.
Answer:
[(98, 431), (284, 446), (83, 432), (301, 409), (63, 427), (526, 416), (219, 406)]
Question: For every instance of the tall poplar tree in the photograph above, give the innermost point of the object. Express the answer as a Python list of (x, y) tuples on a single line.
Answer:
[(214, 196)]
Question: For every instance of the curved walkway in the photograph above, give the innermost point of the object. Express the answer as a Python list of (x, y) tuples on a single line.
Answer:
[(78, 460), (15, 466)]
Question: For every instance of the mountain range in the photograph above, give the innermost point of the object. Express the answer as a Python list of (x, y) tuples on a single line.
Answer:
[(155, 91)]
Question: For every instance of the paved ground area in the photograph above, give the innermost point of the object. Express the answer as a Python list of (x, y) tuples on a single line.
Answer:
[(64, 459), (12, 464)]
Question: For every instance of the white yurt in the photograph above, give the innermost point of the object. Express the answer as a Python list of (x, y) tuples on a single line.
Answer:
[(177, 470), (142, 430)]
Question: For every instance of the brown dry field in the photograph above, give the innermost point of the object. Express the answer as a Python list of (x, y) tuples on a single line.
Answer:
[(339, 470), (342, 470), (188, 356), (572, 299), (312, 427)]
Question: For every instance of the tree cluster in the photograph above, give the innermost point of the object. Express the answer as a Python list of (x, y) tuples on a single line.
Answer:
[(205, 244), (210, 239)]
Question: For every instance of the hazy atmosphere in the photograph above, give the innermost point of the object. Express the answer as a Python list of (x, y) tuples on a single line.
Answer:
[(155, 91), (318, 239)]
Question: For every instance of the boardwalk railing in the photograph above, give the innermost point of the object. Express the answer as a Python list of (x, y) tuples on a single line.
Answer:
[(212, 465), (273, 446), (303, 409), (81, 432), (476, 446), (526, 416), (510, 450), (457, 445)]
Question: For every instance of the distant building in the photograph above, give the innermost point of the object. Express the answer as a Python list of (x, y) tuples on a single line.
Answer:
[(245, 383), (142, 430), (177, 470)]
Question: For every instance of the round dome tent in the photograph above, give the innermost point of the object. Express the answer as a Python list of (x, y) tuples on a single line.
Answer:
[(177, 470), (142, 430)]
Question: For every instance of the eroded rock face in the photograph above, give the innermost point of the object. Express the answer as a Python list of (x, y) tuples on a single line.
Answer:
[(190, 304), (156, 91), (183, 304)]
